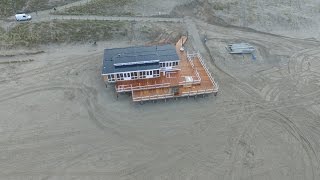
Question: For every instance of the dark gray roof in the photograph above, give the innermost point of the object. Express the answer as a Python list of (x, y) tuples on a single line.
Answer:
[(124, 56)]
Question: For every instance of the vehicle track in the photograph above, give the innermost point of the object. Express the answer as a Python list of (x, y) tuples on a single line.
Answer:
[(242, 145), (295, 65), (50, 68), (292, 128), (241, 148)]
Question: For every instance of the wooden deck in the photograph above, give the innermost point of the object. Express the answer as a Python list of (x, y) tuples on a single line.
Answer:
[(174, 85), (174, 78)]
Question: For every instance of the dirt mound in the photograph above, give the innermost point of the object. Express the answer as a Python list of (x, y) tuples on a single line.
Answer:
[(290, 18)]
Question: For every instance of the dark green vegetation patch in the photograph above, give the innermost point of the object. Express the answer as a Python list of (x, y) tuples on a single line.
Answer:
[(67, 31), (102, 7), (10, 7)]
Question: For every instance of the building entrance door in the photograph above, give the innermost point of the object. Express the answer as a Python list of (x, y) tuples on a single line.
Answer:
[(149, 74)]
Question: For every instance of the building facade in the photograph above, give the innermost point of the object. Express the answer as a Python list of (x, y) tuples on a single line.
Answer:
[(143, 62)]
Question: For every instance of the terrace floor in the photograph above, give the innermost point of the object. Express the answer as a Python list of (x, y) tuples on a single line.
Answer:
[(174, 84)]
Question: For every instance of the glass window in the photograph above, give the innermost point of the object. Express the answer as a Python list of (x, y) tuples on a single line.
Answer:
[(150, 72)]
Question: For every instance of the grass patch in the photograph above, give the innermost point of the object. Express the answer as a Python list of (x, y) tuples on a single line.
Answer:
[(2, 30), (101, 7), (3, 36), (219, 6), (69, 31), (10, 7), (38, 5)]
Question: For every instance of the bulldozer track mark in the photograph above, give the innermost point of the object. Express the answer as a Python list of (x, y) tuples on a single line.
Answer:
[(49, 68), (296, 61), (290, 126), (241, 146)]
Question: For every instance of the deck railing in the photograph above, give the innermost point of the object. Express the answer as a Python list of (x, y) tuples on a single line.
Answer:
[(190, 59), (196, 79), (136, 98), (198, 55), (198, 92), (128, 88), (154, 97)]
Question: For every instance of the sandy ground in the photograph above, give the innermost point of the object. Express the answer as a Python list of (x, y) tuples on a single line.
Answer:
[(59, 121)]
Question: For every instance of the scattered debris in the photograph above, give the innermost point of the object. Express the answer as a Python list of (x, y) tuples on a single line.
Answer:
[(17, 61), (240, 48)]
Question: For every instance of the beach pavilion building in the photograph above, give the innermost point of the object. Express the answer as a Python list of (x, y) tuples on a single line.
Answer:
[(157, 72)]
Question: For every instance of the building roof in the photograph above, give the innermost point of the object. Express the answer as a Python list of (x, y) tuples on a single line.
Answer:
[(137, 58)]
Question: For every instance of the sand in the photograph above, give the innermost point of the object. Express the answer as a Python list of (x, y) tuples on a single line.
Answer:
[(59, 121)]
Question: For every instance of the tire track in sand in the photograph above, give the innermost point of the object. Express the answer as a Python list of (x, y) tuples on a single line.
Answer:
[(242, 149)]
